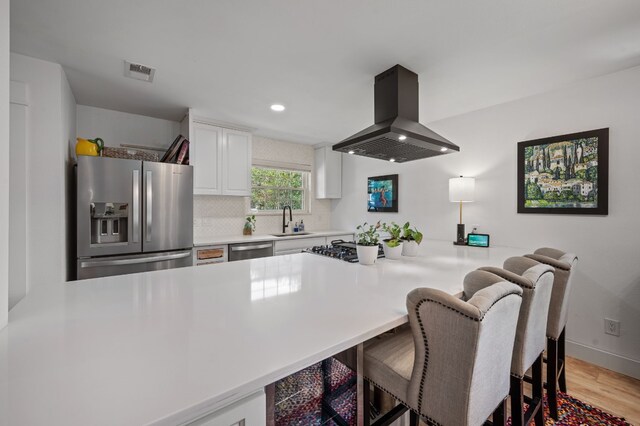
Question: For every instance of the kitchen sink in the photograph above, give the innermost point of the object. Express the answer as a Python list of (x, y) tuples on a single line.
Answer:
[(292, 234)]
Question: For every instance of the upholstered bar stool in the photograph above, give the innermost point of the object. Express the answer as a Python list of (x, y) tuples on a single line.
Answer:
[(536, 281), (565, 265), (451, 365)]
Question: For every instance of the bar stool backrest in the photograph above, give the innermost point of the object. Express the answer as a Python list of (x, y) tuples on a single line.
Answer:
[(565, 266), (462, 351), (536, 281)]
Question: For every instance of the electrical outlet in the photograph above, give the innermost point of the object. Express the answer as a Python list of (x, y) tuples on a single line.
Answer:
[(612, 327)]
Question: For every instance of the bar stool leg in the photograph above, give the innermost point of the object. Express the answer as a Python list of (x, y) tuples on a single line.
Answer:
[(366, 402), (536, 388), (517, 401), (500, 414), (562, 379), (552, 377)]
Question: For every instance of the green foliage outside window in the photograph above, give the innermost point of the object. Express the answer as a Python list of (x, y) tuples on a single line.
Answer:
[(273, 189)]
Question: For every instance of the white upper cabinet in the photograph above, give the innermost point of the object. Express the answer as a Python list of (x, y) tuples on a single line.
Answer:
[(205, 155), (236, 165), (328, 171), (221, 158)]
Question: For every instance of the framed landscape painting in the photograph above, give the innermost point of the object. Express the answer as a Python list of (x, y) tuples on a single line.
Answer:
[(566, 174), (382, 194)]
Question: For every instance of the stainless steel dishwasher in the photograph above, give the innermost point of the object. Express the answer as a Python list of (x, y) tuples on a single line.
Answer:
[(250, 250)]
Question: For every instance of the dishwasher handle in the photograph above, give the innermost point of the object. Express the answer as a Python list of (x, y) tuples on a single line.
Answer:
[(256, 247)]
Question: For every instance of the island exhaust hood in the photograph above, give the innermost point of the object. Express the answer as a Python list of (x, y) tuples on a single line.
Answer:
[(396, 135)]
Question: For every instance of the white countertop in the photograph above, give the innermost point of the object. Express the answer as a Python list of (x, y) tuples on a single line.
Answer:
[(166, 346), (233, 239)]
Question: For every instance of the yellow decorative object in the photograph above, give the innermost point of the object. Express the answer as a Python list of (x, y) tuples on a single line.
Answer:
[(91, 147)]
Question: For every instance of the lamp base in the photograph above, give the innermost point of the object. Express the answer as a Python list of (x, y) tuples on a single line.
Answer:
[(460, 237)]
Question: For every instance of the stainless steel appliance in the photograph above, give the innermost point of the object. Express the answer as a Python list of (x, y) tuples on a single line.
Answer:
[(340, 249), (132, 216), (250, 250), (396, 134)]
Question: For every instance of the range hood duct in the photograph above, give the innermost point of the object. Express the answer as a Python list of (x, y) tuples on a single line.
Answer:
[(396, 135)]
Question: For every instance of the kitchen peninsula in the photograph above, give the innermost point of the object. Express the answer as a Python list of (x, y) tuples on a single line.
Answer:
[(169, 347)]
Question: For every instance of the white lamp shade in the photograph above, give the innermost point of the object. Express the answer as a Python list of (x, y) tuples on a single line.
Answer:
[(462, 189)]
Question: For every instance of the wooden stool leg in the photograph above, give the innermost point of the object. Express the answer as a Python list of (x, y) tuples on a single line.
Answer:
[(517, 401), (366, 402), (562, 379), (536, 388), (552, 377), (500, 414)]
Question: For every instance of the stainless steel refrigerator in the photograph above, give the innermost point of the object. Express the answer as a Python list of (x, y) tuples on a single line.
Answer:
[(132, 216)]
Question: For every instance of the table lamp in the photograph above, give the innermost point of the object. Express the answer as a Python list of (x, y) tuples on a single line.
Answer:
[(461, 190)]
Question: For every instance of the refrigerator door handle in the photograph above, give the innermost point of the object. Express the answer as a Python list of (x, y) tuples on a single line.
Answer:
[(136, 206), (136, 260), (149, 208)]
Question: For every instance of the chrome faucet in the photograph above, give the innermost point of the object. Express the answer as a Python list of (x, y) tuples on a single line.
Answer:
[(285, 224)]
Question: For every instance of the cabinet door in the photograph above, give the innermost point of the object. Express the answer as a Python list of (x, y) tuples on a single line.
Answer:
[(205, 155), (328, 167), (236, 165)]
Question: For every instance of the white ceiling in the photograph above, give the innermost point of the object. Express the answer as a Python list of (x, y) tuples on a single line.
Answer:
[(231, 59)]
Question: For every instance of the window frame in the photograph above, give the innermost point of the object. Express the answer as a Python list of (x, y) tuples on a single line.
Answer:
[(306, 189)]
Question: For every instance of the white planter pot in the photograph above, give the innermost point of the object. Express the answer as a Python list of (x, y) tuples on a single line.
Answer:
[(393, 253), (367, 255), (410, 248)]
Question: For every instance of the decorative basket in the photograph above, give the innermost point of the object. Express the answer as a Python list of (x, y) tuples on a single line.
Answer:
[(130, 154)]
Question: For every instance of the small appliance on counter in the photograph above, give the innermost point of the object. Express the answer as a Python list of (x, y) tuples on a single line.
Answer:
[(342, 250), (132, 216)]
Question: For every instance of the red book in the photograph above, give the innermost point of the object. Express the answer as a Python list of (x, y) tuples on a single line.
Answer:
[(184, 150)]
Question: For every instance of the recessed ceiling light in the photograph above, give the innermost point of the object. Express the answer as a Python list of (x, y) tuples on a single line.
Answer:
[(443, 149), (393, 160), (277, 107), (352, 152), (402, 137)]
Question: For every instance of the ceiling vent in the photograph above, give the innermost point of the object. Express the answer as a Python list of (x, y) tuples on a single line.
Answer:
[(139, 71)]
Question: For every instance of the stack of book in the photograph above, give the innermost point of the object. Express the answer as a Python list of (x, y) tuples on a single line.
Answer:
[(178, 152)]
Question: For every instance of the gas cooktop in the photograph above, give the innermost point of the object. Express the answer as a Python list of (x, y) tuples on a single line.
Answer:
[(340, 249)]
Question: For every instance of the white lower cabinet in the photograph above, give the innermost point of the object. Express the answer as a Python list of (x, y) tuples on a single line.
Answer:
[(249, 411), (297, 245)]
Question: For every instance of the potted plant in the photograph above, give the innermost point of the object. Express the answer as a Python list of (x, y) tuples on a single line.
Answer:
[(392, 245), (367, 243), (249, 225), (412, 239)]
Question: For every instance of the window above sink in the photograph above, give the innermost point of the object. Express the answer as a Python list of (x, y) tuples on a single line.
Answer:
[(274, 188)]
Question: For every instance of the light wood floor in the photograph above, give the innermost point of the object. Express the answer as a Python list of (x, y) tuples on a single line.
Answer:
[(612, 392)]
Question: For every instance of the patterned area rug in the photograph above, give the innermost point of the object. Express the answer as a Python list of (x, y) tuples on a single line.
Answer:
[(301, 400), (573, 412), (315, 395)]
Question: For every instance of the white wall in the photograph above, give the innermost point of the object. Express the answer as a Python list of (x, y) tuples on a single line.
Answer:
[(116, 127), (50, 128), (18, 193), (4, 161), (608, 280), (68, 108)]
